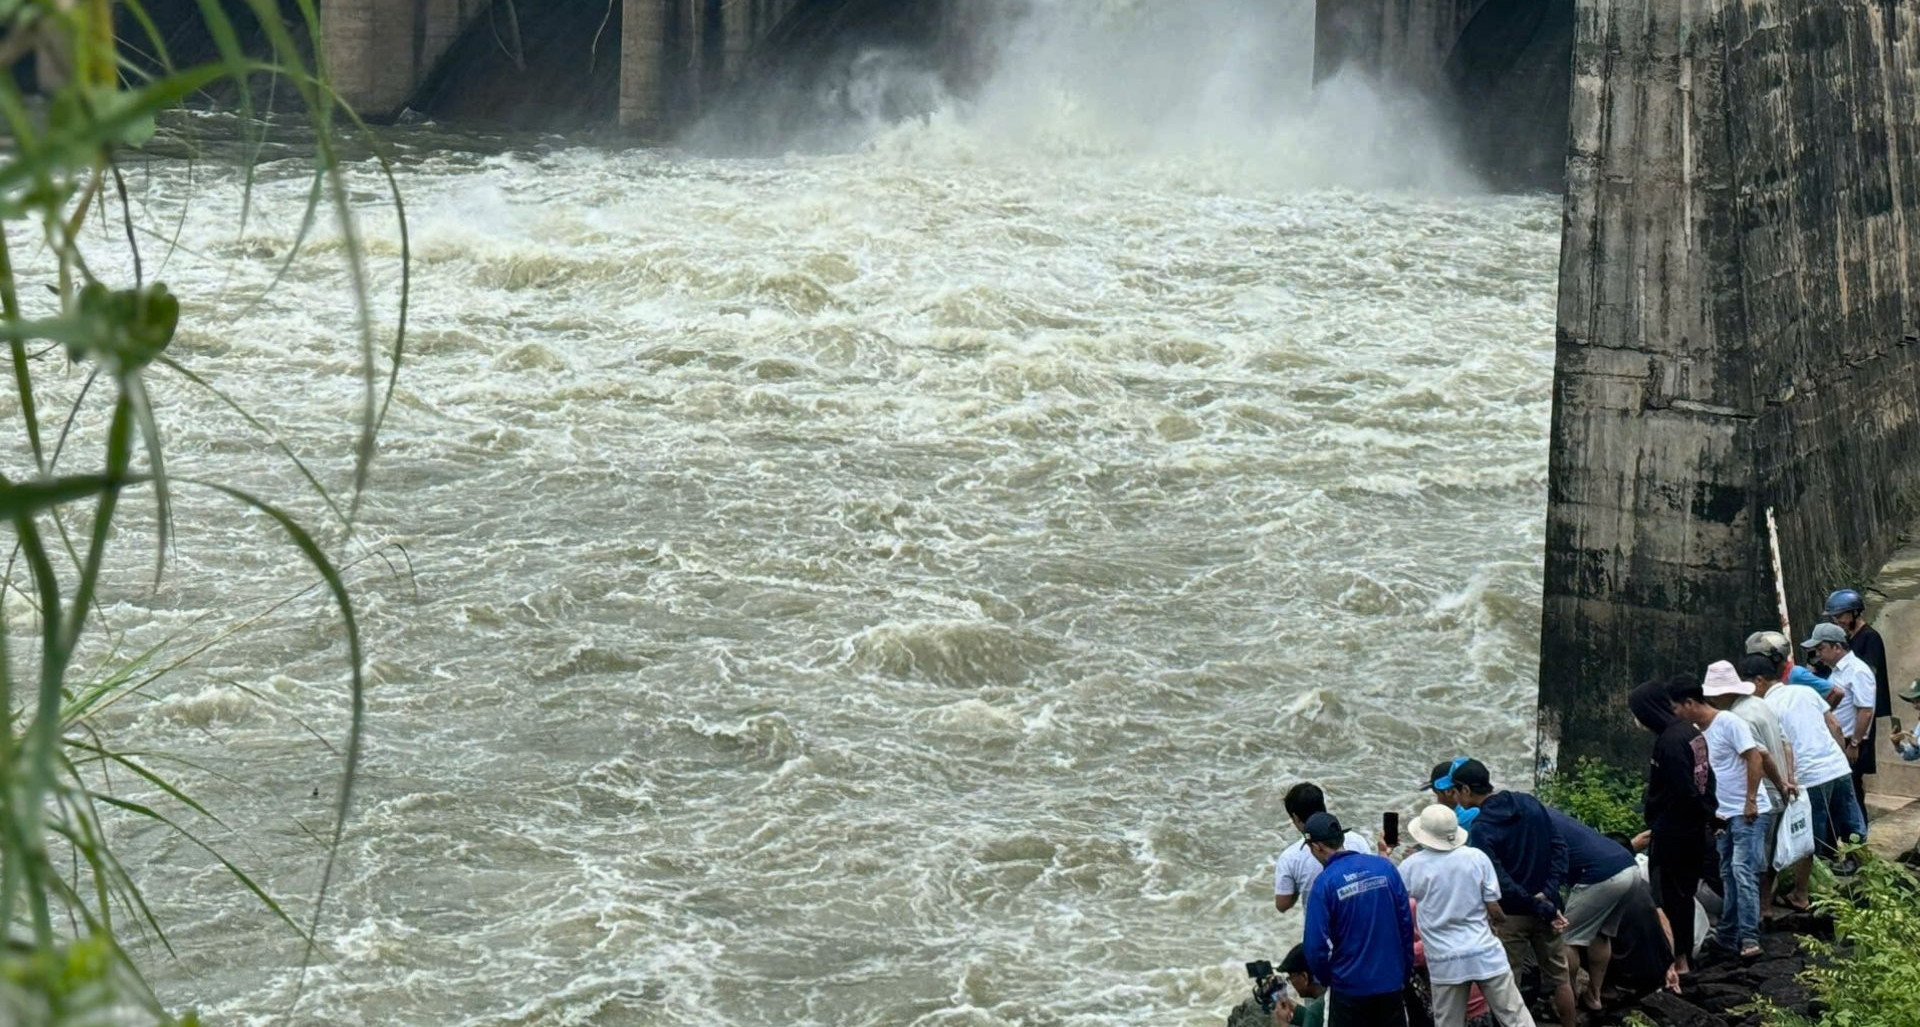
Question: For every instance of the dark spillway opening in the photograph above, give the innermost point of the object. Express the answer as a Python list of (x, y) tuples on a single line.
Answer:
[(181, 33), (531, 64), (1511, 77), (830, 71)]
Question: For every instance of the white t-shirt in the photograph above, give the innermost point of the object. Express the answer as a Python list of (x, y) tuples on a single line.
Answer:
[(1728, 739), (1856, 684), (1452, 890), (1295, 869), (1817, 758), (1765, 724)]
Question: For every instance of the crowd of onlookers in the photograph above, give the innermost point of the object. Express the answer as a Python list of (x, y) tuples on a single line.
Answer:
[(1756, 768)]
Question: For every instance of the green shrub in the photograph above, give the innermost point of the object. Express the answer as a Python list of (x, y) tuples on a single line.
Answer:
[(1867, 976), (67, 904), (1598, 795)]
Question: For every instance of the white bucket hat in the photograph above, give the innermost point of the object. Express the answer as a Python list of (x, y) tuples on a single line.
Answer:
[(1722, 679), (1437, 828)]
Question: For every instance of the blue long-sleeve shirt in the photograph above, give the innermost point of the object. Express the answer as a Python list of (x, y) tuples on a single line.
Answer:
[(1529, 856), (1359, 926)]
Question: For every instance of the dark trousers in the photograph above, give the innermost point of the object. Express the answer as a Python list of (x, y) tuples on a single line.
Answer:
[(1389, 1010), (1869, 763), (1676, 862)]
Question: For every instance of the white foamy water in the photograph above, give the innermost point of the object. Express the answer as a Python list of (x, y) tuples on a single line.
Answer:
[(889, 588)]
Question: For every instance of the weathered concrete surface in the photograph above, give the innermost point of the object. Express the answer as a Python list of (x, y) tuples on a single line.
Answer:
[(1736, 332), (677, 55), (1496, 69), (1408, 41), (379, 52)]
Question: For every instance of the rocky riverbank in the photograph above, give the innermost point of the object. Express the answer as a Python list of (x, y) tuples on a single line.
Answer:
[(1719, 995)]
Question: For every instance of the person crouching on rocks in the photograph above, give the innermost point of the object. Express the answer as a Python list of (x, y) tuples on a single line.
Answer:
[(1359, 937), (1458, 894)]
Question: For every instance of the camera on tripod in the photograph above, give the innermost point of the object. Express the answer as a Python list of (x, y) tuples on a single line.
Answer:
[(1268, 987)]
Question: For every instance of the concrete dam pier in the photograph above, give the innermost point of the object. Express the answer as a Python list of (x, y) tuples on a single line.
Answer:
[(1739, 292)]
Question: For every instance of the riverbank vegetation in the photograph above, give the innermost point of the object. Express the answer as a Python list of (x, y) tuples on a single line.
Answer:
[(1867, 974), (1597, 794), (78, 928)]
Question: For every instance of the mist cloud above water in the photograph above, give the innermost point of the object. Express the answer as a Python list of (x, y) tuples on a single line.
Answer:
[(1221, 85)]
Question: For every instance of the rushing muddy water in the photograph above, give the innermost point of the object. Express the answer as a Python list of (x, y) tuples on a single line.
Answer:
[(890, 587)]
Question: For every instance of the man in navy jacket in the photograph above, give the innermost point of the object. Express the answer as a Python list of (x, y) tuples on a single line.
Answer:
[(1359, 931)]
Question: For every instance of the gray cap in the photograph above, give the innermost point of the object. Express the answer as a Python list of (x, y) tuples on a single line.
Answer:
[(1826, 633), (1768, 643)]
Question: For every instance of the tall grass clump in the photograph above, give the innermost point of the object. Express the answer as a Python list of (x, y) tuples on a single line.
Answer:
[(77, 928), (1867, 976)]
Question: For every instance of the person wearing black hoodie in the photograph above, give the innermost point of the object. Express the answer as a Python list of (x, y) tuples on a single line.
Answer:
[(1530, 860), (1679, 805)]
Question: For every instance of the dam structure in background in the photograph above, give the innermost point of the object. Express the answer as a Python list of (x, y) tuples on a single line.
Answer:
[(649, 66), (1738, 328)]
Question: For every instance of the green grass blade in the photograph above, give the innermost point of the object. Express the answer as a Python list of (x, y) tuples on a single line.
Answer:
[(238, 874), (232, 404)]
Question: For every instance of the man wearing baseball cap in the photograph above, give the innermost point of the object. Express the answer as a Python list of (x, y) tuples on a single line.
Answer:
[(1457, 893), (1774, 646), (1530, 861), (1359, 936), (1855, 682)]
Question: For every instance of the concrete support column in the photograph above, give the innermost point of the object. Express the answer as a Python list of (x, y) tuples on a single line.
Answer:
[(1736, 290), (737, 32), (690, 71), (371, 52), (644, 25)]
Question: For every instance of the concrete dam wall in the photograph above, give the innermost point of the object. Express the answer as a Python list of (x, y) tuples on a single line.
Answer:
[(1740, 285), (1737, 333)]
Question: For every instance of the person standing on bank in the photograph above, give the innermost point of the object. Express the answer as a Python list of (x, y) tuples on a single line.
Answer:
[(1738, 694), (1458, 895), (1819, 762), (1848, 609), (1854, 683), (1734, 756), (1295, 869), (1359, 936), (1679, 806), (1530, 861)]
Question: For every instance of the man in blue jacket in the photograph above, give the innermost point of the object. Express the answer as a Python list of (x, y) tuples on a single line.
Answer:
[(1359, 931), (1530, 859)]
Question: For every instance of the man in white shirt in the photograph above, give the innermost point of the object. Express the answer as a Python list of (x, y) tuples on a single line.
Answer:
[(1295, 869), (1776, 762), (1819, 761), (1734, 756), (1854, 683), (1457, 894)]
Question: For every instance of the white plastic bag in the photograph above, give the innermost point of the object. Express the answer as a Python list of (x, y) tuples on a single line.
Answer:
[(1796, 833)]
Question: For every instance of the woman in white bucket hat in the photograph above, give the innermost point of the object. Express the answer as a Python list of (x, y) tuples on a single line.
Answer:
[(1457, 892)]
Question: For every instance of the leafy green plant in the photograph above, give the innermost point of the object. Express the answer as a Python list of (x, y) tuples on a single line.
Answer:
[(1598, 795), (1867, 975), (66, 900)]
